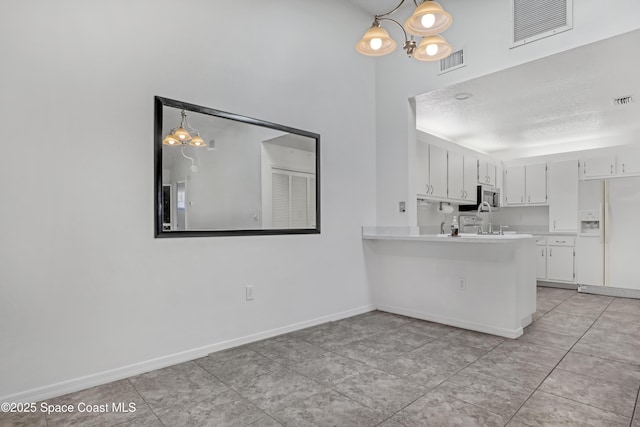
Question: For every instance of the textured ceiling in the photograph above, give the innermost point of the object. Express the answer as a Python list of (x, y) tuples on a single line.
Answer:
[(556, 104), (380, 6)]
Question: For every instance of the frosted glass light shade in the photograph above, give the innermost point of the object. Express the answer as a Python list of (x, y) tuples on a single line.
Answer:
[(197, 141), (170, 140), (441, 22), (432, 48), (380, 38), (182, 134)]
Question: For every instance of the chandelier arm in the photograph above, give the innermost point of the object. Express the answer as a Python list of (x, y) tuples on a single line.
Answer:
[(186, 120), (392, 11), (185, 156), (416, 2), (406, 38)]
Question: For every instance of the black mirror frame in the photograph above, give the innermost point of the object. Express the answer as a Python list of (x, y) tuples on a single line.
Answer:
[(159, 102)]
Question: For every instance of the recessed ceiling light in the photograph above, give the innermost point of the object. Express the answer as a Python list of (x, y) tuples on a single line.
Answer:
[(462, 96)]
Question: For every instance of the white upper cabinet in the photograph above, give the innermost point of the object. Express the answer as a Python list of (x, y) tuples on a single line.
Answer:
[(626, 162), (470, 185), (525, 185), (563, 196), (423, 186), (438, 171), (629, 163), (599, 167), (536, 183), (462, 178), (514, 185), (431, 171), (486, 173), (456, 176)]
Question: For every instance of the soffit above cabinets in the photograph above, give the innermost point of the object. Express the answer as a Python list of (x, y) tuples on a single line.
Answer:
[(556, 104)]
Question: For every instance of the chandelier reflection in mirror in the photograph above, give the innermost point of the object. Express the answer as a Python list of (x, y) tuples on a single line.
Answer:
[(180, 137), (428, 20)]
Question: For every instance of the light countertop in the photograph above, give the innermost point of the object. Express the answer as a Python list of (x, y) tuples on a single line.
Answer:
[(407, 234)]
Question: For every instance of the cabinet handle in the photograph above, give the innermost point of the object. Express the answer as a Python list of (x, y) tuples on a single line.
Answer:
[(431, 189), (554, 225), (550, 251), (529, 199), (542, 252), (521, 199), (466, 194), (611, 169), (623, 168), (561, 241)]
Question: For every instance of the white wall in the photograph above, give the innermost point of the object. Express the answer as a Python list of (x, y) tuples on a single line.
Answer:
[(84, 286), (483, 30)]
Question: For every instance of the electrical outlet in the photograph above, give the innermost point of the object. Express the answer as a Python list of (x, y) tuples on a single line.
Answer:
[(462, 284), (249, 292)]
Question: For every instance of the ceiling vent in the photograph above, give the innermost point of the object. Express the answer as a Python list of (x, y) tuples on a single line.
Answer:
[(452, 62), (536, 19), (623, 100)]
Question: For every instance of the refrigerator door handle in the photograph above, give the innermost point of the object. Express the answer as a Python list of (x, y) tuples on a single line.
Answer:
[(607, 231), (601, 222)]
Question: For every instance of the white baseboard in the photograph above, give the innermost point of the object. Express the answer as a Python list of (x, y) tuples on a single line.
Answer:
[(610, 291), (559, 285), (70, 386), (507, 333)]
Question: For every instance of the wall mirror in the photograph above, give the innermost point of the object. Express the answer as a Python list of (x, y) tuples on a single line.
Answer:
[(222, 174)]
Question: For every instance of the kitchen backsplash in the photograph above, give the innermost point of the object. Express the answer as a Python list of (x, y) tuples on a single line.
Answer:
[(529, 219)]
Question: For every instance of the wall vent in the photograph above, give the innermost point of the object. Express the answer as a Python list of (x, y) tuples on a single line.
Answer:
[(623, 100), (452, 62), (536, 19), (211, 145)]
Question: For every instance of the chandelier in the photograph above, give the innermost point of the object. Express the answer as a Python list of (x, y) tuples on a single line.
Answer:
[(428, 20), (180, 136)]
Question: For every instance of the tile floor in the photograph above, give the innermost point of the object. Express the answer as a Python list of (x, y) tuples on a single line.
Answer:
[(578, 364)]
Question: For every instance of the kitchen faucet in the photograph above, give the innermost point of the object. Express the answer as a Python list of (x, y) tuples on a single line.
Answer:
[(442, 227), (485, 203)]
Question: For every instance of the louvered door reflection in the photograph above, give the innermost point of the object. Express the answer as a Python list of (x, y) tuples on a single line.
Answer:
[(293, 199)]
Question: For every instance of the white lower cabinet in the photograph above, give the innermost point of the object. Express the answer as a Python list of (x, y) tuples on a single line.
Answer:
[(555, 259), (541, 256)]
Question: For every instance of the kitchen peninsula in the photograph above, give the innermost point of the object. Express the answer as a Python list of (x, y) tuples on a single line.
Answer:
[(485, 283)]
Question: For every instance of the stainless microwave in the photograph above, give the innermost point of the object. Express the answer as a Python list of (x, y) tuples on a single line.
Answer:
[(485, 193)]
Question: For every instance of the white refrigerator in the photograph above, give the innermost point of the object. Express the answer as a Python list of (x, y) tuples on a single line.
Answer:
[(608, 243)]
